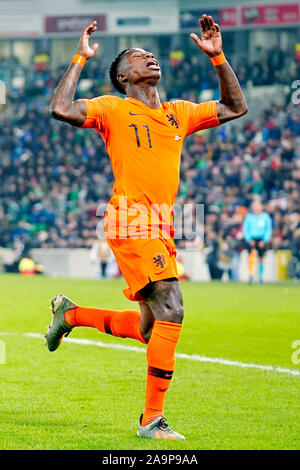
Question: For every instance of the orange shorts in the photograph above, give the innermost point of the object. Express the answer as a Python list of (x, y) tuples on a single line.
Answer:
[(144, 260)]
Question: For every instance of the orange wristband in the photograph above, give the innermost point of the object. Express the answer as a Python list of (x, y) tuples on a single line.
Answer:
[(79, 59), (218, 59)]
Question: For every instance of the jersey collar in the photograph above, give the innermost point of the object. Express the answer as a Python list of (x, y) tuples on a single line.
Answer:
[(144, 106)]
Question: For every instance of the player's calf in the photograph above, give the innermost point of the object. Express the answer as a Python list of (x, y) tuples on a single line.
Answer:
[(165, 300)]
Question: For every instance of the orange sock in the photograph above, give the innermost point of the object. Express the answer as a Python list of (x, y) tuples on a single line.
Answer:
[(161, 363), (125, 324), (252, 262)]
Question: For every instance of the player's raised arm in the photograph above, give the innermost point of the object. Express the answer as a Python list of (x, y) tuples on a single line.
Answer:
[(232, 103), (62, 106)]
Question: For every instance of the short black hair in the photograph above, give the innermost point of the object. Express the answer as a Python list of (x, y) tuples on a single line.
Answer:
[(113, 72)]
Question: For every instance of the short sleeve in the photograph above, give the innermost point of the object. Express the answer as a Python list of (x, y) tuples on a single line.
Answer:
[(198, 116), (96, 113)]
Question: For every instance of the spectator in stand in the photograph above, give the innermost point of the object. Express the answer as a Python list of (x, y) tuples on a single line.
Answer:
[(212, 255)]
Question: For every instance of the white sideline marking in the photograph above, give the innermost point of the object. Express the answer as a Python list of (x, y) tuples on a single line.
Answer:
[(189, 357)]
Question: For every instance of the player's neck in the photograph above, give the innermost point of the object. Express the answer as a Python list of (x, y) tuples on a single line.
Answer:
[(146, 94)]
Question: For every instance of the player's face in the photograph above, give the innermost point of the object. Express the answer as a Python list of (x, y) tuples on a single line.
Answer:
[(142, 65)]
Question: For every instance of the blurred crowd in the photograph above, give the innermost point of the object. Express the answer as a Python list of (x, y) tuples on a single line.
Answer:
[(53, 177), (230, 168), (190, 73)]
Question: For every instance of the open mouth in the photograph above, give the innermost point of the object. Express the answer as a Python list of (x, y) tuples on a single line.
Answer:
[(153, 65)]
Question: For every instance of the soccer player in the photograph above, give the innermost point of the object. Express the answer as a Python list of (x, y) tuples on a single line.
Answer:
[(257, 229), (143, 138)]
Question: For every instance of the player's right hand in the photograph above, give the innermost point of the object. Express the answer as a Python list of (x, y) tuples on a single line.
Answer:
[(84, 48)]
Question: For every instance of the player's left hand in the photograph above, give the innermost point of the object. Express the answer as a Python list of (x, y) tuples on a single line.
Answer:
[(261, 244), (211, 39)]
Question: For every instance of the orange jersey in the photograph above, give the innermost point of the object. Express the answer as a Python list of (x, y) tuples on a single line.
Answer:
[(144, 144)]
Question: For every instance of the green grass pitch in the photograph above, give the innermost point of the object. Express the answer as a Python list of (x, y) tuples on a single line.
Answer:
[(88, 397)]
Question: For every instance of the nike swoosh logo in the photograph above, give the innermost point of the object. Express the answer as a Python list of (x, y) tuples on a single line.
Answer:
[(134, 114)]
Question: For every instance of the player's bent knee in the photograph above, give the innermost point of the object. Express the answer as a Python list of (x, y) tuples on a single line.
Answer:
[(165, 301), (174, 315)]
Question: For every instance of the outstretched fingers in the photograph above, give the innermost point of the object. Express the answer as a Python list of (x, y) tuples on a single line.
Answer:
[(196, 39), (204, 23), (90, 28), (207, 23), (216, 27), (84, 48)]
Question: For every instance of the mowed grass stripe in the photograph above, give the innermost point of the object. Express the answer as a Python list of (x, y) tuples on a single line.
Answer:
[(188, 357)]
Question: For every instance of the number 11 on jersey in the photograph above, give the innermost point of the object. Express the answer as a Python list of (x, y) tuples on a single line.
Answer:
[(138, 142)]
